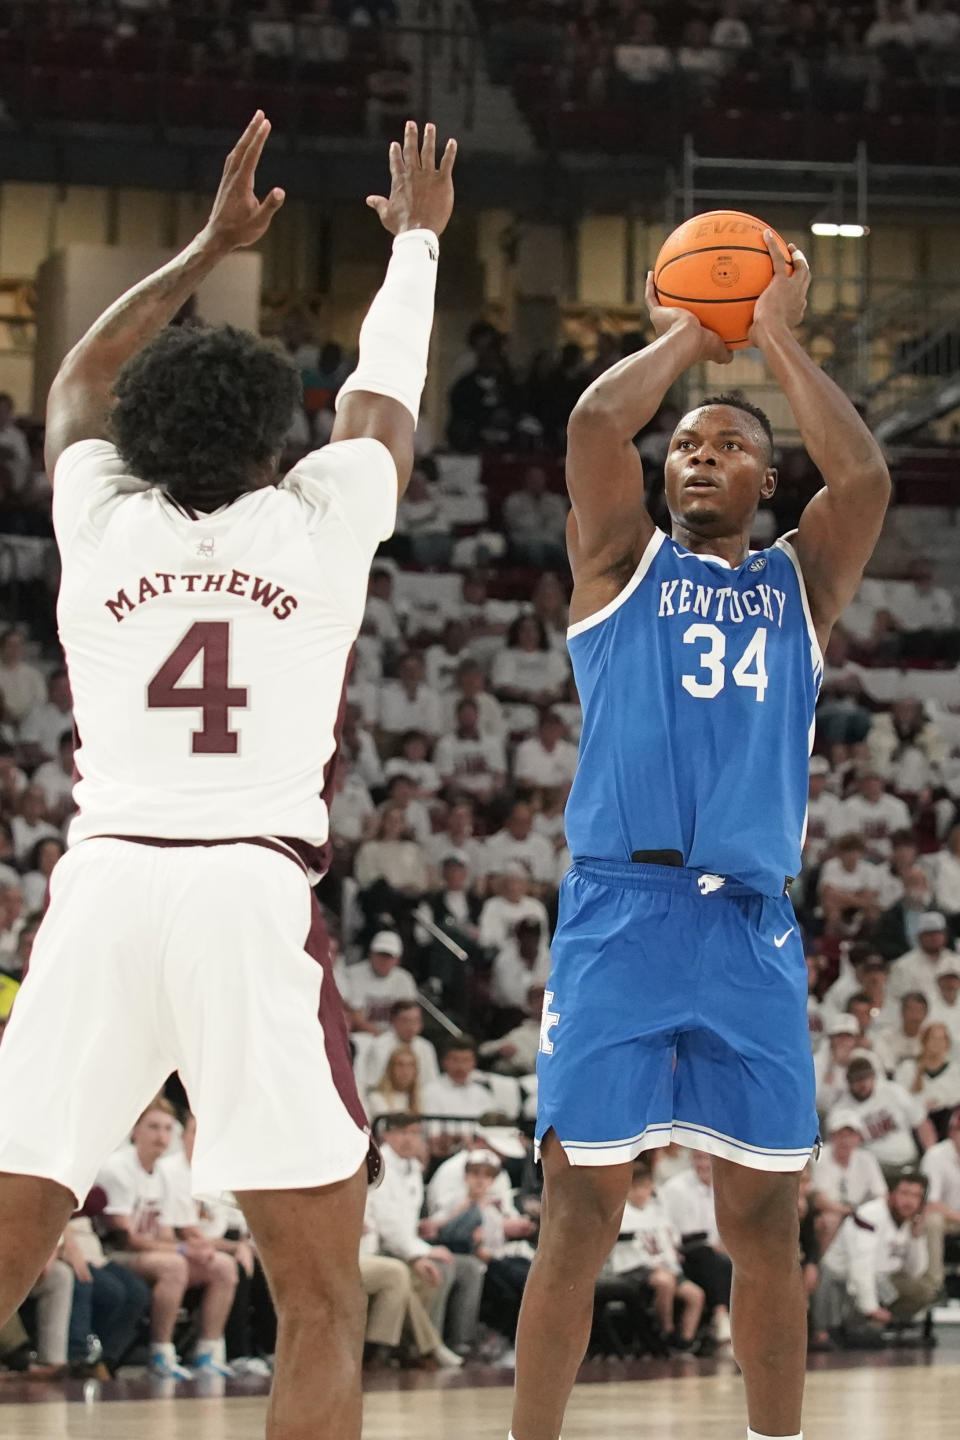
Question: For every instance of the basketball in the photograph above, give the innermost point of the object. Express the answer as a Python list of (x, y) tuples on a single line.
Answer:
[(716, 265)]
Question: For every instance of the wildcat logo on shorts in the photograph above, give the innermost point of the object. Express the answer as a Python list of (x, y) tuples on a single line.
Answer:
[(548, 1019), (709, 883), (758, 564)]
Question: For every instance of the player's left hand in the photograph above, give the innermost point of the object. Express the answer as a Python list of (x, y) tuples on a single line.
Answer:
[(421, 191), (238, 218), (784, 302)]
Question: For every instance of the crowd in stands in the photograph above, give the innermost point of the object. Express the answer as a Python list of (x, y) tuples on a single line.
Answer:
[(458, 749)]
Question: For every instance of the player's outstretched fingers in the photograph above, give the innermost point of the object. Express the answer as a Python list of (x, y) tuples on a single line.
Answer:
[(244, 140), (411, 154), (776, 254), (448, 158), (428, 154), (396, 161)]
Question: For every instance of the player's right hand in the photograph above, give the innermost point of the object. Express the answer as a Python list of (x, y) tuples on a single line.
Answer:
[(421, 192), (670, 317), (238, 217)]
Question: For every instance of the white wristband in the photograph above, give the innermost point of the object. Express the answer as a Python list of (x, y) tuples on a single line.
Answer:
[(395, 336)]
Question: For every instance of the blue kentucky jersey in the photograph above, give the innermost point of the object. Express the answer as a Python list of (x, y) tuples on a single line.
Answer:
[(698, 685)]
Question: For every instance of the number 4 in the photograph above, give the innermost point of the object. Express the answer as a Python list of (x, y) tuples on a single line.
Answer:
[(214, 696), (754, 653)]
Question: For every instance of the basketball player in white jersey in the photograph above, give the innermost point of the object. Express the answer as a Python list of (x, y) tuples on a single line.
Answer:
[(207, 610)]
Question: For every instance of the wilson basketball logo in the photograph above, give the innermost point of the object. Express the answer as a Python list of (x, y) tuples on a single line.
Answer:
[(725, 271)]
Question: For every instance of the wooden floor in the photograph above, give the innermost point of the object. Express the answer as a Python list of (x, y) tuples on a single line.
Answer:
[(913, 1401)]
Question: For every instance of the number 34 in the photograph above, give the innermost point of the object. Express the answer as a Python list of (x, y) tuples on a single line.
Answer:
[(712, 662)]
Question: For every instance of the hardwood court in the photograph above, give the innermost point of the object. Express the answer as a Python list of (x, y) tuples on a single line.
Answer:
[(864, 1403)]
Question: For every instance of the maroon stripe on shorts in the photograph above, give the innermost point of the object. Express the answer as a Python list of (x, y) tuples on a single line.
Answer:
[(336, 1038)]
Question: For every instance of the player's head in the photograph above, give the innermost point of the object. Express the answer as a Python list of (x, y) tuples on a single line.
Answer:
[(203, 412), (720, 466)]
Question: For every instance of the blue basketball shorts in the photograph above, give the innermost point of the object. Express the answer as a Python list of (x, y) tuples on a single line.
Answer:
[(676, 1010)]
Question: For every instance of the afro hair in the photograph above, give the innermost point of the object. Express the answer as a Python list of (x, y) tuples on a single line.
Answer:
[(203, 410)]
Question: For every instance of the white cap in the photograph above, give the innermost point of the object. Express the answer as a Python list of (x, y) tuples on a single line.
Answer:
[(930, 920), (948, 964), (841, 1119), (819, 765), (483, 1157), (505, 1139), (843, 1025), (386, 942)]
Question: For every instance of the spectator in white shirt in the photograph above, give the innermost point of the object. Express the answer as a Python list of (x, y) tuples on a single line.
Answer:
[(443, 661), (405, 1028), (874, 813), (845, 1176), (139, 1214), (390, 869), (546, 760), (22, 684), (457, 838), (645, 1255), (848, 883), (468, 760), (518, 841), (863, 963), (372, 987), (903, 1041), (358, 746), (408, 703), (516, 1052), (936, 28), (535, 519), (730, 31), (471, 684), (12, 921), (878, 1267), (30, 824), (271, 31), (815, 1012), (56, 778), (880, 1025), (36, 882), (831, 1061), (946, 1007), (412, 761), (459, 1092), (641, 60), (528, 673), (423, 522), (941, 1166), (502, 913), (687, 1199), (924, 614), (945, 875), (43, 727), (824, 810), (381, 616), (396, 1089), (522, 961), (907, 747), (889, 1116), (402, 791), (933, 1076), (917, 969)]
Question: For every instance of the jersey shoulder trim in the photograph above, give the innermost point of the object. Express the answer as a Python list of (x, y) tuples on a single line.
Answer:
[(646, 560), (816, 657)]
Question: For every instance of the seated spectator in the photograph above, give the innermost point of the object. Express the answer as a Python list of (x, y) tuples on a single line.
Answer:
[(843, 709), (43, 727), (109, 1300), (528, 674), (893, 1121), (904, 1042), (396, 1090), (845, 1175), (456, 838), (53, 1294), (21, 685), (687, 1201), (923, 615), (443, 661), (458, 1092), (645, 1259), (321, 41), (519, 843), (876, 1038), (917, 969), (11, 923), (401, 791), (906, 746), (353, 815), (523, 960), (502, 913), (140, 1235), (933, 1076), (390, 869), (731, 32), (549, 603), (878, 1268), (470, 761), (935, 28), (30, 823), (408, 703), (413, 763), (848, 886), (470, 684), (373, 987), (874, 813), (36, 882), (858, 974), (700, 62), (515, 1053), (898, 929), (397, 1323), (824, 809), (547, 759), (382, 616), (486, 619), (941, 1167), (272, 38), (816, 1018), (455, 910), (483, 405), (423, 524), (448, 1286), (945, 878), (535, 519), (894, 873), (405, 1029), (640, 59), (56, 778), (14, 449), (946, 1008), (832, 1060)]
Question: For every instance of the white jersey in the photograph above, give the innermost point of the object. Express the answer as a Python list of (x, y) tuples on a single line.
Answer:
[(208, 653)]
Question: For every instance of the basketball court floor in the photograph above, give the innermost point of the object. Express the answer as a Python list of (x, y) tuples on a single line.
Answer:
[(898, 1395)]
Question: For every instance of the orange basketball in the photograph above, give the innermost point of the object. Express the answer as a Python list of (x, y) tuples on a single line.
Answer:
[(717, 266)]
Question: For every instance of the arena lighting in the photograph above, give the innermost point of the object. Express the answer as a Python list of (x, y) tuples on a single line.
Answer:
[(846, 232)]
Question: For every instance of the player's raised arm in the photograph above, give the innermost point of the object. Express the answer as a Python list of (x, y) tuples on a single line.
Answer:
[(81, 393), (609, 520), (840, 526), (381, 399)]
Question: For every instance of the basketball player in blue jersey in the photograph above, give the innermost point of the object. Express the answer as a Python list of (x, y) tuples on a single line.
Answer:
[(676, 1006)]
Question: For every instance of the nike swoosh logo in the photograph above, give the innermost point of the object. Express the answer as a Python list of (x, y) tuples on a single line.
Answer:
[(781, 940), (683, 554)]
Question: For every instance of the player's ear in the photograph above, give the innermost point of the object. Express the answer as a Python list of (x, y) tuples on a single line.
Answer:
[(769, 483)]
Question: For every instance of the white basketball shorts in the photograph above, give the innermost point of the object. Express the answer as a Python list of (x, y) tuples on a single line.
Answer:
[(206, 959)]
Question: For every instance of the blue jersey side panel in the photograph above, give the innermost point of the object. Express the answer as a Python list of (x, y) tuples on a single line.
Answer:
[(698, 686)]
